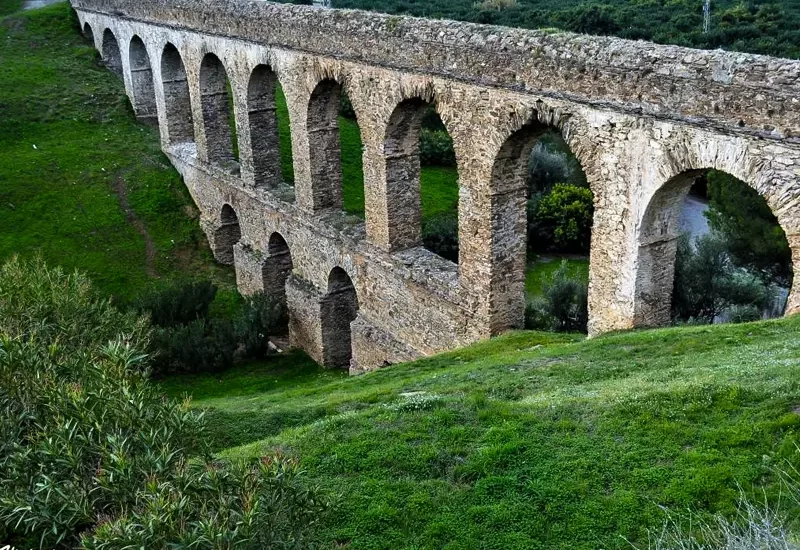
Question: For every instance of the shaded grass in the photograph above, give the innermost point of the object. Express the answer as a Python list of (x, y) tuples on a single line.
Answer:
[(542, 269), (67, 135), (530, 440)]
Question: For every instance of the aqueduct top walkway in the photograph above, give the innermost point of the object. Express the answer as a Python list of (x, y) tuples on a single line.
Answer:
[(644, 120)]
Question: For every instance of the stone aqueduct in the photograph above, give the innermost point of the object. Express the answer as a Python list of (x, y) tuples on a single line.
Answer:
[(644, 120)]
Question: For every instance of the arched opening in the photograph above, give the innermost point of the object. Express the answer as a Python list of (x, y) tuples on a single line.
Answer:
[(335, 150), (265, 138), (710, 251), (421, 180), (339, 309), (226, 235), (88, 33), (218, 115), (542, 217), (277, 269), (180, 125), (111, 53), (144, 95)]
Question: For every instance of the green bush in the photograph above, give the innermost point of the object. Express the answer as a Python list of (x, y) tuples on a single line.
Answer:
[(261, 317), (708, 283), (551, 162), (754, 238), (436, 148), (204, 345), (563, 306), (440, 235), (561, 220), (93, 456), (189, 338), (178, 305)]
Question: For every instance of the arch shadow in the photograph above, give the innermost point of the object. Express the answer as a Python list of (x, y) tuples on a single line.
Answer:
[(178, 103), (339, 308), (226, 235), (144, 94), (111, 53)]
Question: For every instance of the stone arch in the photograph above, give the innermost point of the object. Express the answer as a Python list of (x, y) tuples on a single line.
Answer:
[(111, 53), (177, 100), (276, 270), (659, 232), (144, 95), (401, 149), (339, 309), (324, 145), (263, 117), (226, 235), (509, 219), (88, 33), (216, 103)]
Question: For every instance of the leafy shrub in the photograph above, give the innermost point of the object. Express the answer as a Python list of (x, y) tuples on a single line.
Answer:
[(261, 317), (436, 148), (178, 304), (707, 282), (204, 345), (552, 162), (440, 235), (754, 238), (563, 306), (561, 220), (187, 338), (93, 456)]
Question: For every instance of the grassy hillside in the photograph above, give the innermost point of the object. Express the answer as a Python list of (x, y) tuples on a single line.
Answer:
[(530, 441), (81, 181)]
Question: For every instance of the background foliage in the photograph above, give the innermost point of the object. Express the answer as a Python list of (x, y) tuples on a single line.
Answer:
[(757, 26)]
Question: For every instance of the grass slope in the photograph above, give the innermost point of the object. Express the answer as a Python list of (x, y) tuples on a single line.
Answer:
[(69, 146), (530, 441)]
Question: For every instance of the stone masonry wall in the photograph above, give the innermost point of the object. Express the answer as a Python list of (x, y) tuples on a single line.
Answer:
[(641, 119)]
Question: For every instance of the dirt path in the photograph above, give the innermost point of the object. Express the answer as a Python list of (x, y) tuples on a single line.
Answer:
[(149, 247)]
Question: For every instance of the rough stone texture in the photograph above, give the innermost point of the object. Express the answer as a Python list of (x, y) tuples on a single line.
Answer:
[(642, 119)]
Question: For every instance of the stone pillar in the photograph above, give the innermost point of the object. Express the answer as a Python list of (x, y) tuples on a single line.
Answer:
[(249, 269), (303, 302), (657, 246)]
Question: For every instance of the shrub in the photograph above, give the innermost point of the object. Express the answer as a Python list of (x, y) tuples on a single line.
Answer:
[(440, 235), (707, 283), (93, 456), (561, 220), (178, 304), (187, 338), (563, 306), (204, 345), (262, 316), (550, 164), (436, 148), (753, 236)]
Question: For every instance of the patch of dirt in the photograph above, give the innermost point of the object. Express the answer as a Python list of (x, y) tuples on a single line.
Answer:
[(149, 247)]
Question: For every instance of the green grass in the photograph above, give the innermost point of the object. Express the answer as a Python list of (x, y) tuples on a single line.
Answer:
[(541, 269), (8, 7), (529, 441), (67, 137)]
